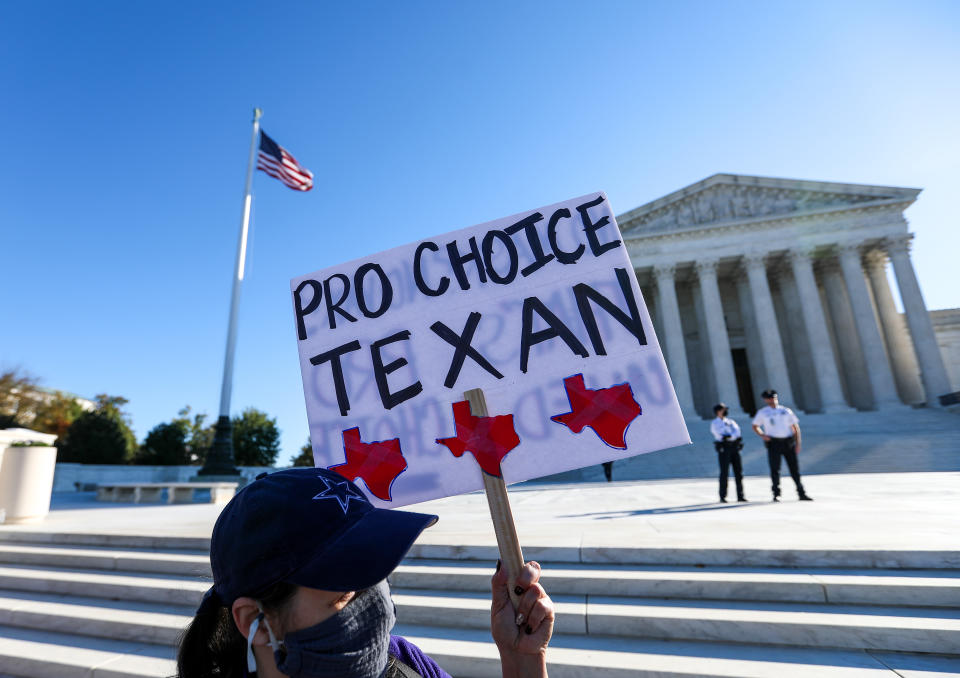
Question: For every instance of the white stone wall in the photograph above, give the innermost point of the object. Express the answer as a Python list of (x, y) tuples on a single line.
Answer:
[(946, 324), (71, 477)]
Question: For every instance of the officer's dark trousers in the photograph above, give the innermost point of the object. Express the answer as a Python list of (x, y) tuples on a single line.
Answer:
[(728, 456), (783, 447)]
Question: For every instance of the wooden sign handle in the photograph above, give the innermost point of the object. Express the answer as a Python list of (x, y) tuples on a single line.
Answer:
[(511, 557)]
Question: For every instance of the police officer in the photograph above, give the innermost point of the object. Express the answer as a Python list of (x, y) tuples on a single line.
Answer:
[(780, 430), (728, 442)]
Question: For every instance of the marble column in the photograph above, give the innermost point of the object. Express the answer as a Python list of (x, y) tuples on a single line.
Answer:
[(786, 303), (702, 377), (878, 367), (668, 310), (821, 353), (932, 371), (771, 346), (906, 372), (720, 356), (849, 354)]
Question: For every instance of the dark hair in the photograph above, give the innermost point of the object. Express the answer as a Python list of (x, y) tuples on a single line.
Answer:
[(212, 646)]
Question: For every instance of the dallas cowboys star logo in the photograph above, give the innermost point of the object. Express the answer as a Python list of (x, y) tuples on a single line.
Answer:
[(341, 491)]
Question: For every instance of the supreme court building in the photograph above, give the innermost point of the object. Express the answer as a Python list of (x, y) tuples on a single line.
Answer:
[(758, 283)]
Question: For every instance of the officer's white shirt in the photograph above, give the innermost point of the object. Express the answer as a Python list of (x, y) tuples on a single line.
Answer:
[(777, 422), (724, 427)]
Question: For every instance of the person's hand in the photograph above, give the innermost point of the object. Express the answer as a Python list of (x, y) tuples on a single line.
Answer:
[(521, 634), (766, 439)]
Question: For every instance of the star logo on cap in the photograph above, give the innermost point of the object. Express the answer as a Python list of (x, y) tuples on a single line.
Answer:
[(341, 492)]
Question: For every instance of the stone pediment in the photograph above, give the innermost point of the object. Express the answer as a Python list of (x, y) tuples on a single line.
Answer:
[(730, 198)]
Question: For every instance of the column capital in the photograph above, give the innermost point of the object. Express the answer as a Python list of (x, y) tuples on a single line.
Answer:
[(875, 259), (755, 260), (664, 271), (706, 266), (801, 254), (899, 245), (850, 249)]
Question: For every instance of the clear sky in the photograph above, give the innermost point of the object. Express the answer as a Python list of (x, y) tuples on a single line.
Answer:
[(126, 130)]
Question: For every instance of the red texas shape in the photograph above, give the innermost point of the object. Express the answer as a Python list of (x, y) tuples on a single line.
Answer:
[(489, 439), (608, 411), (378, 463)]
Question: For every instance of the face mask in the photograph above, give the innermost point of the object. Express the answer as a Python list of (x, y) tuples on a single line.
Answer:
[(354, 643)]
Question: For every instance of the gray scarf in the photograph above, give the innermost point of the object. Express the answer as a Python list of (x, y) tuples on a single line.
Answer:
[(354, 643)]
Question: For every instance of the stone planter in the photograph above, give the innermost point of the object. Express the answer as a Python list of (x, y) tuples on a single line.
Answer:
[(26, 482)]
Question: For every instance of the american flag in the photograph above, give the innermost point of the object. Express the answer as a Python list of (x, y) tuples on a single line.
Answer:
[(275, 161)]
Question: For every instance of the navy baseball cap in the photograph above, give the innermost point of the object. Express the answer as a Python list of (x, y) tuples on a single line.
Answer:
[(769, 393), (310, 527)]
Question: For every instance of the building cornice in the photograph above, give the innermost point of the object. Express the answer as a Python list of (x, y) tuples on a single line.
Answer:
[(752, 224), (773, 183)]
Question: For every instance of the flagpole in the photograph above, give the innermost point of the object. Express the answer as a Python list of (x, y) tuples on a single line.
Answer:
[(220, 460)]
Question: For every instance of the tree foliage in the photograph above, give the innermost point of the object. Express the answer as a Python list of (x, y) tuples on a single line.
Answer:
[(305, 458), (199, 436), (256, 438), (18, 398), (55, 413), (101, 436), (95, 438), (165, 445)]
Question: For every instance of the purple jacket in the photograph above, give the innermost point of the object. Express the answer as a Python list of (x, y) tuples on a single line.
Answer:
[(413, 656)]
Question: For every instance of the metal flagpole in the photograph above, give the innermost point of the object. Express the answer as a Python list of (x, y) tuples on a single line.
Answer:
[(220, 460)]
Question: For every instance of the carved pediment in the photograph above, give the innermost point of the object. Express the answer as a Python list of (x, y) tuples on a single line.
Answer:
[(729, 198)]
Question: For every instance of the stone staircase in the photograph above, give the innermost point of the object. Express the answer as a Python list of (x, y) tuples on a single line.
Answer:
[(113, 607)]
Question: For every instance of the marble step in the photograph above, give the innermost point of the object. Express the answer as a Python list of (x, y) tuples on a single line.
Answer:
[(27, 653), (854, 627), (899, 629), (915, 588), (136, 541), (721, 557), (934, 588), (111, 559), (168, 589), (133, 621), (471, 654)]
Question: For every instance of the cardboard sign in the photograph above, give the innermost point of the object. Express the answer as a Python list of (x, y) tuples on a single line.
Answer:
[(540, 310)]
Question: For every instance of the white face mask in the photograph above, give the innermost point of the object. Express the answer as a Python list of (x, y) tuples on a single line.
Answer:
[(274, 643)]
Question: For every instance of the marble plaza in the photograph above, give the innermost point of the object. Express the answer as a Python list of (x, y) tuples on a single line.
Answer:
[(757, 282)]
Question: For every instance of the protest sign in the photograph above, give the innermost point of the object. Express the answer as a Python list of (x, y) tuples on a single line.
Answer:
[(540, 310)]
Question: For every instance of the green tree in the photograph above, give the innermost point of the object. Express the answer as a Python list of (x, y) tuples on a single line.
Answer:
[(305, 458), (94, 438), (102, 436), (199, 436), (165, 445), (55, 413), (256, 438), (18, 398)]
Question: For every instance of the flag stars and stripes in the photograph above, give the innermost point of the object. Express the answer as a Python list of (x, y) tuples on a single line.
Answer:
[(279, 164)]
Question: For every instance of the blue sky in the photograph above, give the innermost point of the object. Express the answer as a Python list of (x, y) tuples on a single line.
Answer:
[(127, 128)]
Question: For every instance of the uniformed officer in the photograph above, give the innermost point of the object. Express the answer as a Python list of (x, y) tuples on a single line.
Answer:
[(728, 442), (780, 430)]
